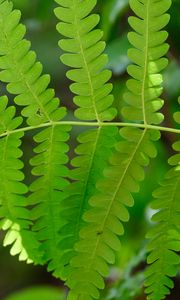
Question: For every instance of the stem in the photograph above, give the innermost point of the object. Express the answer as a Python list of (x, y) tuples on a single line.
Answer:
[(91, 124)]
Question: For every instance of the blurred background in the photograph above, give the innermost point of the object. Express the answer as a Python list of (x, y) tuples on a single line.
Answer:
[(126, 278)]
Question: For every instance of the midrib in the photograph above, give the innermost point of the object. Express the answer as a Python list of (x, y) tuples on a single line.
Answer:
[(145, 63), (85, 64)]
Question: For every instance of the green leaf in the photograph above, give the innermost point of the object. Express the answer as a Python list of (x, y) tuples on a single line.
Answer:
[(44, 292), (94, 149), (148, 40), (164, 243), (84, 53), (22, 73), (47, 190), (99, 237), (14, 216)]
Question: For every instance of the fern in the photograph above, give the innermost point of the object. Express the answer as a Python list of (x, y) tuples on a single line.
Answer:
[(23, 75), (14, 216), (72, 219), (89, 165), (21, 71), (98, 239), (94, 101), (149, 47), (84, 47), (165, 236)]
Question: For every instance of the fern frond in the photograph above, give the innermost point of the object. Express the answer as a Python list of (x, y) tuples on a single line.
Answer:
[(165, 235), (100, 235), (93, 152), (49, 166), (98, 238), (148, 41), (75, 228), (14, 216), (24, 78), (21, 71), (85, 55)]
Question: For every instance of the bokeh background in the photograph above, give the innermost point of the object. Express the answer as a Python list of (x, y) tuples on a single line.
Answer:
[(125, 280)]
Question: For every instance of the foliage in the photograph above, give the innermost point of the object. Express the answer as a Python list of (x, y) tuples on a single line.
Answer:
[(71, 216), (165, 238), (44, 292)]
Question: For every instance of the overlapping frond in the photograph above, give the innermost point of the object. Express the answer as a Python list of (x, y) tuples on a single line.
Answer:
[(85, 56), (99, 238), (164, 237), (24, 78), (14, 216), (76, 227), (100, 235), (49, 166), (93, 152), (148, 40)]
